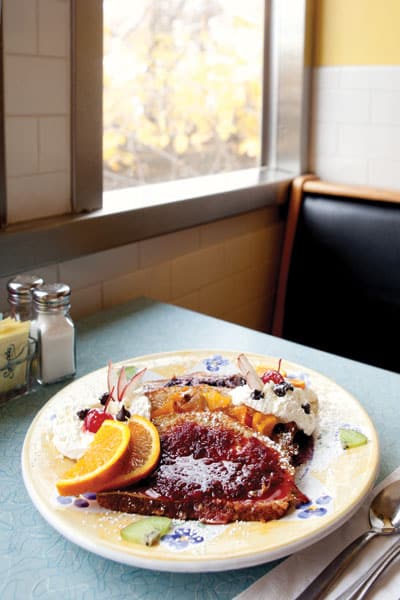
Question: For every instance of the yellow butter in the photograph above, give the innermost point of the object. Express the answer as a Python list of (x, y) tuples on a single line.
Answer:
[(13, 353), (10, 327)]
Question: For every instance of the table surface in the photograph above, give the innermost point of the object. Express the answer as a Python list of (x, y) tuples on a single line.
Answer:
[(37, 562)]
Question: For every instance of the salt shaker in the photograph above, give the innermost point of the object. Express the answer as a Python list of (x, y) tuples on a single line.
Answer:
[(54, 331), (20, 290)]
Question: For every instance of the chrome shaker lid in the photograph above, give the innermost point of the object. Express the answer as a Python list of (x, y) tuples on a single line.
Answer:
[(51, 295), (20, 287)]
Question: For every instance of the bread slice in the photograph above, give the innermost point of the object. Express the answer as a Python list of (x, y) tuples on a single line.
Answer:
[(212, 469)]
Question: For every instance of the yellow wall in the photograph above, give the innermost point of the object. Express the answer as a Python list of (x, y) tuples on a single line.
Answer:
[(357, 32)]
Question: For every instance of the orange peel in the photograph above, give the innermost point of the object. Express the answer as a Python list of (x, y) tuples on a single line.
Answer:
[(142, 456), (101, 462)]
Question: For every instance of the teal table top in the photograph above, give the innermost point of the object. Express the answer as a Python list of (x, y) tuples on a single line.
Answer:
[(37, 562)]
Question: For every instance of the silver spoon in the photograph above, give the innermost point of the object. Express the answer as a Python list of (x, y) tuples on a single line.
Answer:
[(384, 518)]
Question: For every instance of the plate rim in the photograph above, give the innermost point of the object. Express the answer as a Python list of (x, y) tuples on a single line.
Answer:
[(203, 564)]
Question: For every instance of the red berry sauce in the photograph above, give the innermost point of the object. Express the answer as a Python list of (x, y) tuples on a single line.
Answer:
[(200, 463)]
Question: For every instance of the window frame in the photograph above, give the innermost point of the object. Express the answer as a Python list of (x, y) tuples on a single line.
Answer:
[(137, 213)]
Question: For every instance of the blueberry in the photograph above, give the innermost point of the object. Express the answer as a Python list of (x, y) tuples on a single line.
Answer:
[(306, 407), (103, 398), (82, 413), (280, 389), (123, 414), (257, 394)]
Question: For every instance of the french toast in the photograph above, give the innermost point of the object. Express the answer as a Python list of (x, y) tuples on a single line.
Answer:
[(212, 469), (184, 396)]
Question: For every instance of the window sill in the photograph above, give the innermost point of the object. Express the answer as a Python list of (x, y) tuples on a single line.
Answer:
[(138, 213)]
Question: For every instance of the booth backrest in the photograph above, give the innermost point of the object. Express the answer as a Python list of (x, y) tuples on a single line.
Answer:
[(339, 286)]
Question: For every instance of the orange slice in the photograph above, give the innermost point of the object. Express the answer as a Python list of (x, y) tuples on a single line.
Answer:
[(264, 423), (142, 456), (100, 463)]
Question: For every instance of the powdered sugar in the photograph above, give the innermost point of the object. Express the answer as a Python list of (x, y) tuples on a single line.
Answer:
[(188, 472)]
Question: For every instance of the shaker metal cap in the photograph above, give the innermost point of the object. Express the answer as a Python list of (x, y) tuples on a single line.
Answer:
[(52, 295), (20, 287)]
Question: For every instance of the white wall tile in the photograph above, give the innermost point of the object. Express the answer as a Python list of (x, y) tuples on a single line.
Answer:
[(370, 77), (225, 229), (86, 301), (54, 27), (385, 141), (384, 173), (341, 170), (385, 107), (36, 86), (100, 266), (191, 271), (342, 106), (255, 314), (153, 282), (239, 252), (242, 250), (323, 138), (217, 298), (327, 79), (385, 78), (353, 141), (164, 247), (355, 78), (21, 139), (37, 196), (54, 144), (190, 301), (49, 273), (362, 111), (254, 282), (261, 246), (212, 264), (20, 33)]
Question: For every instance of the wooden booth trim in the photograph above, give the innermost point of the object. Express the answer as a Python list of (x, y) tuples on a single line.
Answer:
[(316, 186)]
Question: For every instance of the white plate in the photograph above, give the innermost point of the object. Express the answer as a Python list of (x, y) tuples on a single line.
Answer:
[(335, 480)]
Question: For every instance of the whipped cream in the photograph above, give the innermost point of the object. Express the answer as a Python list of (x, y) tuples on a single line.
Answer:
[(69, 436), (137, 404), (298, 405)]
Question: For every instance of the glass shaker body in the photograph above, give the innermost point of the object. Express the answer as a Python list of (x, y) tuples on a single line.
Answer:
[(54, 331)]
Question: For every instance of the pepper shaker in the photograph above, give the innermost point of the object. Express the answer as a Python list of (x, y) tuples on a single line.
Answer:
[(54, 331)]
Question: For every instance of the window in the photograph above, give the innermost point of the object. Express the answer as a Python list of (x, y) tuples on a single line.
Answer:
[(277, 113), (182, 89)]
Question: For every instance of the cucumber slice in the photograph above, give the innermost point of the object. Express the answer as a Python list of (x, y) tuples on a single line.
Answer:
[(349, 438), (146, 531)]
